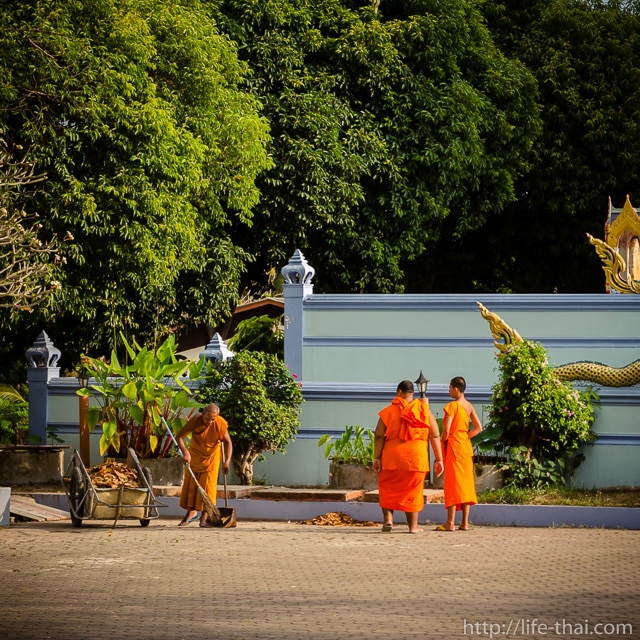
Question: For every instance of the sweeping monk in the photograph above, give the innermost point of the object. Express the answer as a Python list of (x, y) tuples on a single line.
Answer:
[(209, 432), (401, 455), (459, 484)]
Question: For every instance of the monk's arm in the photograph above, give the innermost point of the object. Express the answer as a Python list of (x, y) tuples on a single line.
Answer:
[(228, 451), (477, 425), (434, 438), (446, 426), (378, 445), (182, 434)]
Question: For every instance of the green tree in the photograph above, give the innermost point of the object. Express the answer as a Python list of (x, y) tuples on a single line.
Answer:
[(260, 333), (27, 264), (535, 416), (385, 124), (260, 399), (134, 110), (586, 60)]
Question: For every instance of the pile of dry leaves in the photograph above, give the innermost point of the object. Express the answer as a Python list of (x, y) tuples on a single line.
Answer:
[(338, 519), (112, 475)]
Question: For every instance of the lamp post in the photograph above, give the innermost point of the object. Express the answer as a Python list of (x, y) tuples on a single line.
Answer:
[(421, 382), (422, 385), (83, 382)]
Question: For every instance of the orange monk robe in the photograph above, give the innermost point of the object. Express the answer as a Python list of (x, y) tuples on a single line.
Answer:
[(205, 462), (459, 484), (405, 455)]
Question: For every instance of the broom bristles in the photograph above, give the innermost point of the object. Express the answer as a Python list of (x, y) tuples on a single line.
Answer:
[(212, 511)]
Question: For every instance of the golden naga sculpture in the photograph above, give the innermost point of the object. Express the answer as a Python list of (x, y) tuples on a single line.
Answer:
[(500, 330), (588, 371)]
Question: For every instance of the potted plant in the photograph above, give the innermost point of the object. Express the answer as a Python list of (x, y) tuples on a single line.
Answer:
[(131, 398), (351, 458)]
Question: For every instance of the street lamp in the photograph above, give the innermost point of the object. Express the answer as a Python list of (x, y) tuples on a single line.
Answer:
[(421, 382), (83, 383), (422, 385)]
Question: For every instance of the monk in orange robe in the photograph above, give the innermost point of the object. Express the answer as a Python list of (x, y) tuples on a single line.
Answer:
[(401, 455), (459, 483), (209, 432)]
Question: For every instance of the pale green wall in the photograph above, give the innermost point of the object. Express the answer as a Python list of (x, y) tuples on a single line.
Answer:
[(355, 349), (603, 465)]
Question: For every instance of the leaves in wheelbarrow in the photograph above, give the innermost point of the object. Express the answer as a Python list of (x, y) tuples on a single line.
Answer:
[(111, 475), (338, 519)]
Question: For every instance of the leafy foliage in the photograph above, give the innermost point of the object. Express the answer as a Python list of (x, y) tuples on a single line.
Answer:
[(133, 109), (384, 124), (260, 399), (132, 398), (350, 447), (525, 471), (14, 416), (260, 333), (27, 264), (535, 416), (585, 57)]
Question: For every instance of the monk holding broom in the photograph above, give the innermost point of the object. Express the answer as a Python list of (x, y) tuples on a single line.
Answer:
[(209, 433)]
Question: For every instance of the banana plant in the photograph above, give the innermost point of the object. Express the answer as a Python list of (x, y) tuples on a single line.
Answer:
[(130, 399)]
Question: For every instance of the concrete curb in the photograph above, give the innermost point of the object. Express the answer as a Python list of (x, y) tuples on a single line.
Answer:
[(481, 514)]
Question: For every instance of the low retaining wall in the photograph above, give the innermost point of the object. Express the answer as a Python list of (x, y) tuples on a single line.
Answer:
[(481, 514)]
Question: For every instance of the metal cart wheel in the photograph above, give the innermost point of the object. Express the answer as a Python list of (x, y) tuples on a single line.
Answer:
[(76, 495), (144, 522)]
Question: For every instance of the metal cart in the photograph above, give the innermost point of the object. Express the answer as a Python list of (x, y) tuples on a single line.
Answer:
[(86, 502)]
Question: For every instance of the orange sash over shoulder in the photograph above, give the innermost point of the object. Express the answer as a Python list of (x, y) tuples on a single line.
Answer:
[(415, 421)]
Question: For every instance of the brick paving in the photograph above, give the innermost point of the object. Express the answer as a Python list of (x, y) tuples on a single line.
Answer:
[(284, 581)]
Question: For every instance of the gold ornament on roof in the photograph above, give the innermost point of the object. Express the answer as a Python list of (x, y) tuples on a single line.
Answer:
[(620, 254)]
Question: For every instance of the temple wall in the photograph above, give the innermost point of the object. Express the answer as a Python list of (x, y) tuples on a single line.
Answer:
[(350, 351)]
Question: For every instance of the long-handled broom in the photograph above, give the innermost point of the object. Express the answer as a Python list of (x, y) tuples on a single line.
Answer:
[(212, 511)]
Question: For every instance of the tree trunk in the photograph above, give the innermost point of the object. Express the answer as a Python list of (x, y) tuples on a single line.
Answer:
[(243, 465)]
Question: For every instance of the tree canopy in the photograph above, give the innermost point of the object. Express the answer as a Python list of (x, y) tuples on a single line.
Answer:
[(385, 124), (191, 146), (586, 60), (134, 110), (26, 263)]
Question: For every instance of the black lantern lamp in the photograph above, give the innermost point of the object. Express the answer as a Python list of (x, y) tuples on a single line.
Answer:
[(422, 385), (83, 378)]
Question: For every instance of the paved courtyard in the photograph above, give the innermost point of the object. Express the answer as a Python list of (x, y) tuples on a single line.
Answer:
[(283, 580)]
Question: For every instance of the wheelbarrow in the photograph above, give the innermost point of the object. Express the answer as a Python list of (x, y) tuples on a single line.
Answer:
[(87, 502)]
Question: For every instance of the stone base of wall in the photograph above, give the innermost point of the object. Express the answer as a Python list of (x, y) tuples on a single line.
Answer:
[(488, 477)]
